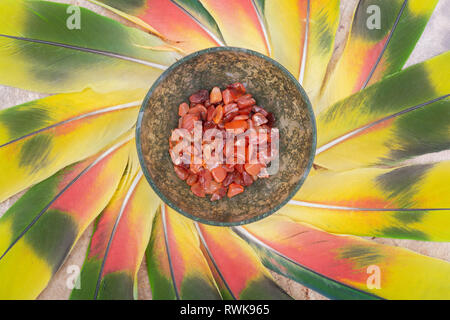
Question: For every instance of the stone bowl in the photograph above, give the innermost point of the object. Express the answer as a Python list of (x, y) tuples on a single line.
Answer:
[(273, 87)]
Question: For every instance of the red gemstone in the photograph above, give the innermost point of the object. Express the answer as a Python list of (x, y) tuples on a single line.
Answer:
[(259, 119), (241, 117), (257, 109), (236, 112), (239, 87), (188, 121), (219, 194), (239, 168), (198, 190), (235, 125), (210, 113), (181, 172), (218, 114), (253, 169), (199, 108), (215, 96), (199, 97), (193, 178), (183, 109), (219, 174), (229, 179), (231, 107), (246, 179)]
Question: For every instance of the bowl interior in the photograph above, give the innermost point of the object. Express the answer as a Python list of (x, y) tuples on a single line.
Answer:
[(273, 88)]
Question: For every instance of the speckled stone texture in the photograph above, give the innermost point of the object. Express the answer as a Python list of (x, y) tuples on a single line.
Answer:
[(272, 87)]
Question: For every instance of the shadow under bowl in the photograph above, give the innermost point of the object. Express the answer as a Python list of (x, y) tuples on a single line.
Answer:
[(273, 87)]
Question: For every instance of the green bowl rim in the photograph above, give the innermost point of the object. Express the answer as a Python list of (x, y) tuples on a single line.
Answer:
[(164, 75)]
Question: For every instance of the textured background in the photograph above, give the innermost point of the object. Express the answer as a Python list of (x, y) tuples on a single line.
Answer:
[(435, 40)]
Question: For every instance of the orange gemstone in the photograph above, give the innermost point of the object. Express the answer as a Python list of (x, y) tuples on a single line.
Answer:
[(256, 109), (230, 116), (181, 172), (210, 113), (212, 188), (205, 179), (236, 111), (199, 97), (219, 194), (191, 179), (231, 107), (198, 190), (241, 117), (245, 111), (199, 108), (239, 167), (218, 114), (246, 179), (259, 119), (228, 167), (189, 121), (227, 96), (195, 168), (253, 169), (238, 87)]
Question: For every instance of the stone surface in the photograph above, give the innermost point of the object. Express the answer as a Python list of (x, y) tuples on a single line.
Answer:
[(435, 40)]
